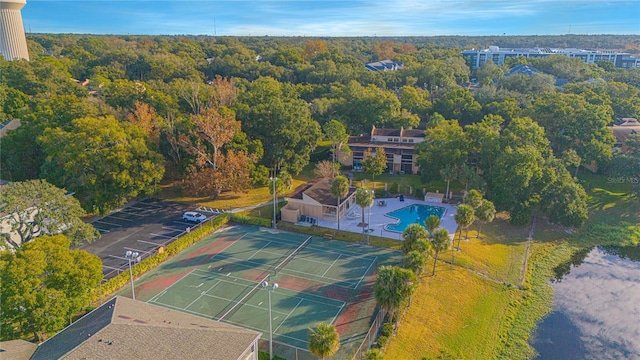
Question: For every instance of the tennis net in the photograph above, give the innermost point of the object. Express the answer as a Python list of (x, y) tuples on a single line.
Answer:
[(240, 302), (291, 255)]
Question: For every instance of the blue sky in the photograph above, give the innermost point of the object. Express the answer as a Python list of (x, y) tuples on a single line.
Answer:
[(334, 17)]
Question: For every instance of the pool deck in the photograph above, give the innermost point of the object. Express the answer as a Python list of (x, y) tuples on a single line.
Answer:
[(379, 218)]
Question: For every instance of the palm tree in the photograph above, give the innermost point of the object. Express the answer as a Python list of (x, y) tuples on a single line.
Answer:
[(485, 213), (364, 199), (393, 287), (473, 198), (464, 218), (448, 174), (439, 242), (432, 223), (339, 189), (324, 340), (415, 261), (415, 236)]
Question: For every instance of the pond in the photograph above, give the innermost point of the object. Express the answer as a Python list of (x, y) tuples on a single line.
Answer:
[(596, 310)]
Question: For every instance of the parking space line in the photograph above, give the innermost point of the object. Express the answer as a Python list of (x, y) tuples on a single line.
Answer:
[(166, 236), (173, 229), (128, 248), (112, 268), (149, 204), (108, 223), (184, 223), (152, 243), (119, 257), (103, 230), (119, 218)]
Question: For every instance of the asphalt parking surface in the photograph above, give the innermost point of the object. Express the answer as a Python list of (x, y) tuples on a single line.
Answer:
[(140, 227)]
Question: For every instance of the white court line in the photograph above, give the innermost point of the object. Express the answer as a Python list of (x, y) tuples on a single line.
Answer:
[(365, 273), (177, 281), (158, 295), (243, 304), (256, 253), (266, 332), (166, 236), (330, 266), (308, 247), (202, 294), (338, 313), (299, 292), (261, 266), (108, 223), (289, 314)]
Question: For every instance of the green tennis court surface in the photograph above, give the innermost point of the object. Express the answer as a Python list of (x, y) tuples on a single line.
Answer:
[(319, 281)]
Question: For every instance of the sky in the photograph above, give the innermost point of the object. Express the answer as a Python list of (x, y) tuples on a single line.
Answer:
[(333, 17)]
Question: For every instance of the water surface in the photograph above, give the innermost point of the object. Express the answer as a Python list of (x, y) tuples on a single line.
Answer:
[(596, 311)]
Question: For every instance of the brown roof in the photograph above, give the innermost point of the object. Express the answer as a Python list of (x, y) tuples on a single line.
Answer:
[(16, 350), (321, 192), (123, 328)]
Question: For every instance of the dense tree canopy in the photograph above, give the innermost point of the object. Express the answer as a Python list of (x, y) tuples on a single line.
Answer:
[(43, 285)]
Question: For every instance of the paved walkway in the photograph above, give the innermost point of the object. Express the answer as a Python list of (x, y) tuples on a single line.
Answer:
[(376, 216)]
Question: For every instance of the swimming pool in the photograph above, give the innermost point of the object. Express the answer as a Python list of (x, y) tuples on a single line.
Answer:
[(413, 214)]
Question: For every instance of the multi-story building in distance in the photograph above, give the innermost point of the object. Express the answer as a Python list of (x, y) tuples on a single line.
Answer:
[(475, 58)]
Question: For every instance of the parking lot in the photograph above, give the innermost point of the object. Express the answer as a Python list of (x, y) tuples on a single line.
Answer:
[(140, 227)]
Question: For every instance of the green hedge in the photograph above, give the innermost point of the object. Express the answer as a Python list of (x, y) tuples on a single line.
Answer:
[(341, 235), (199, 233), (250, 220)]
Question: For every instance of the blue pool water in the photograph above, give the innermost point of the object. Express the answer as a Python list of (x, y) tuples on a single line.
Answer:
[(413, 214)]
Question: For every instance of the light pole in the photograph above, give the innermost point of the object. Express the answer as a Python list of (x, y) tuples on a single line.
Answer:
[(131, 255), (373, 194), (273, 287), (273, 180)]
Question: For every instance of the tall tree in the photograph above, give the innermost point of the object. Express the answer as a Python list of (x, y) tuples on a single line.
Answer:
[(439, 242), (324, 340), (445, 144), (104, 162), (35, 207), (44, 284), (339, 189), (415, 261), (374, 163), (337, 134), (570, 122), (145, 117), (485, 213), (432, 222), (364, 199), (273, 113), (213, 128), (464, 218), (448, 174), (393, 288), (415, 238)]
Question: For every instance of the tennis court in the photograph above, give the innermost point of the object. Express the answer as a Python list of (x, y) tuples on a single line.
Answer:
[(319, 281)]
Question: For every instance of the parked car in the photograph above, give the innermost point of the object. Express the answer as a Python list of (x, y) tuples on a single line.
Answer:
[(193, 216)]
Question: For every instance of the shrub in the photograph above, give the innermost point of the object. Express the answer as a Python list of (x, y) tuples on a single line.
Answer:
[(393, 188), (373, 354), (382, 341), (386, 330), (250, 220)]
